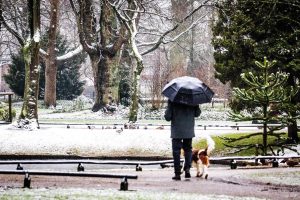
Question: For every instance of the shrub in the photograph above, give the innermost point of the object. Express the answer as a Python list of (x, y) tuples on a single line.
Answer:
[(4, 113)]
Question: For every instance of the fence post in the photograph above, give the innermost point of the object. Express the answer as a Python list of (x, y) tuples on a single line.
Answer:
[(27, 181), (9, 108), (256, 154)]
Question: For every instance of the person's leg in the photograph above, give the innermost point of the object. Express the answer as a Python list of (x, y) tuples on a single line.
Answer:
[(187, 147), (176, 148)]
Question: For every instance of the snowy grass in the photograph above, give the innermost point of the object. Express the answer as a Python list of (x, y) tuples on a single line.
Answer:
[(109, 194), (81, 141)]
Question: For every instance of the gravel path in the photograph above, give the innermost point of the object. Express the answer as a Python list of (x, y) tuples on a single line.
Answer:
[(223, 183)]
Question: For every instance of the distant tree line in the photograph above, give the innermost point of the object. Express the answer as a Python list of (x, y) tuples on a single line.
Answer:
[(115, 35)]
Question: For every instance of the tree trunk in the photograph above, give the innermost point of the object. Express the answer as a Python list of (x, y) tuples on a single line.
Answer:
[(178, 54), (31, 57), (51, 68), (293, 133), (136, 76), (101, 45), (135, 93), (101, 81), (265, 131)]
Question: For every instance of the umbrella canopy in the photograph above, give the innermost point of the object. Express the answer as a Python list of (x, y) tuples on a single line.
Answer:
[(188, 90)]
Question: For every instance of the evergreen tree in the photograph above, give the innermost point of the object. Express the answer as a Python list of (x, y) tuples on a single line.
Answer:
[(16, 74), (268, 91), (125, 77), (250, 30), (69, 85)]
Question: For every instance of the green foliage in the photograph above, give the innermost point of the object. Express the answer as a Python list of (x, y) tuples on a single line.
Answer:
[(252, 144), (69, 85), (264, 90), (268, 92), (16, 74), (125, 85), (249, 30), (4, 112), (237, 140)]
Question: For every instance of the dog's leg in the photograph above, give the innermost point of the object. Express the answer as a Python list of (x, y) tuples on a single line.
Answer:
[(183, 163), (182, 167), (199, 171), (205, 168)]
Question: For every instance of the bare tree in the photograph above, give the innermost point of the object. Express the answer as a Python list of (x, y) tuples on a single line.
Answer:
[(129, 17), (102, 37)]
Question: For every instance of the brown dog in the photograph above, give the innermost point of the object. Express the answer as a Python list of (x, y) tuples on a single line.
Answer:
[(200, 159)]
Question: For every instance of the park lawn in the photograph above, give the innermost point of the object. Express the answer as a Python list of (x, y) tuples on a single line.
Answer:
[(222, 150)]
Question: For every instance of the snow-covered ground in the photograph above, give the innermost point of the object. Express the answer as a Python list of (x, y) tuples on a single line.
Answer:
[(84, 141), (95, 140), (91, 142), (99, 141)]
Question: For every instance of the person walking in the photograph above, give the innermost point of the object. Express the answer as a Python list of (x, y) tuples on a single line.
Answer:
[(182, 119)]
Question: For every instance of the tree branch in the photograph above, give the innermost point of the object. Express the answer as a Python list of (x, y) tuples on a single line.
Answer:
[(79, 21), (10, 29), (70, 54), (161, 39)]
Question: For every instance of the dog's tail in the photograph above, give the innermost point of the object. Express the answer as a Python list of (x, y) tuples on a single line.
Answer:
[(210, 144)]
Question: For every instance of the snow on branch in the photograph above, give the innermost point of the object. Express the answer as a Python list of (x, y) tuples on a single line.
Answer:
[(36, 36), (70, 54), (43, 53), (183, 32), (164, 41)]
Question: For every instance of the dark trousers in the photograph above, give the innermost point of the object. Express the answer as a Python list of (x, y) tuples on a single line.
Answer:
[(186, 145)]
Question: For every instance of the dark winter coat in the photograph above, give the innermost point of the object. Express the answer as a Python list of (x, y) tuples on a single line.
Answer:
[(182, 119)]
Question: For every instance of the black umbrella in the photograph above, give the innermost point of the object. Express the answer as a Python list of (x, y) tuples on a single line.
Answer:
[(188, 90)]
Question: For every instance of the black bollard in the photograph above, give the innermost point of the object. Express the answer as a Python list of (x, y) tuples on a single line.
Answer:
[(27, 181), (233, 164), (275, 163), (124, 184), (138, 168), (80, 168), (19, 166)]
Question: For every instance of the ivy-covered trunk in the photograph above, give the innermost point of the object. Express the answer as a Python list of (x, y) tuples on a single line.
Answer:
[(31, 57)]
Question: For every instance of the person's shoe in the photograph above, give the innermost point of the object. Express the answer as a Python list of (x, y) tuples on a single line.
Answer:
[(176, 177), (187, 174)]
